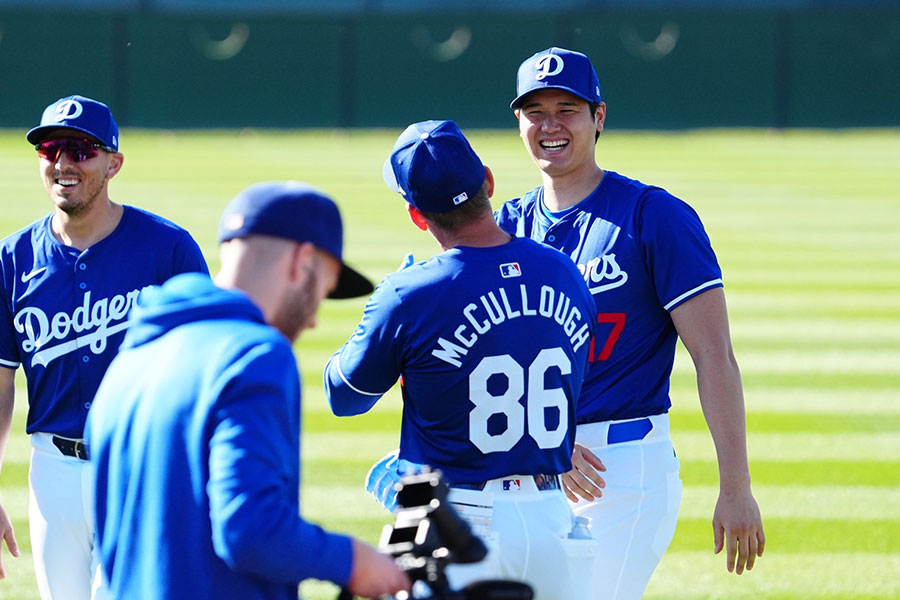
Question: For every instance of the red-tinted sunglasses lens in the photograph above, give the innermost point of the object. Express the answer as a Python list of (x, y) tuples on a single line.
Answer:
[(77, 150)]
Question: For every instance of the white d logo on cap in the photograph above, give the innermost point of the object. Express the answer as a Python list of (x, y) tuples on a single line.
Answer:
[(69, 109), (542, 65)]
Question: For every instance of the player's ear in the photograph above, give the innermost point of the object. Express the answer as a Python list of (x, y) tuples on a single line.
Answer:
[(600, 115), (116, 159), (416, 217), (489, 180), (301, 260)]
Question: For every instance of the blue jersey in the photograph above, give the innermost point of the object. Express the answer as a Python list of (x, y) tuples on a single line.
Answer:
[(491, 344), (642, 252), (195, 435), (63, 312)]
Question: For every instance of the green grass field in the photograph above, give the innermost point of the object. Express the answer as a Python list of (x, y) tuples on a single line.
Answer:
[(806, 225)]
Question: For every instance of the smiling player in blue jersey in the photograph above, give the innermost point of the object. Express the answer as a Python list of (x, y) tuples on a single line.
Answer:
[(68, 281), (491, 339), (654, 278)]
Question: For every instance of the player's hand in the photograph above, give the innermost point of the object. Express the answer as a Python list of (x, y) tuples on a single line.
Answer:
[(7, 534), (584, 479), (737, 526), (382, 478), (374, 573)]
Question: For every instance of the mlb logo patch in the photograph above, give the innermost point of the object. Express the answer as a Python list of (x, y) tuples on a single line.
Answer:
[(512, 485), (508, 270), (460, 199)]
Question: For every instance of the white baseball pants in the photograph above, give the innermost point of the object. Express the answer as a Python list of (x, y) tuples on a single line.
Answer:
[(634, 521), (61, 517), (527, 535)]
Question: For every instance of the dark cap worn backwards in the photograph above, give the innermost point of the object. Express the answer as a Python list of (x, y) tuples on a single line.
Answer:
[(557, 68), (294, 211), (433, 166), (81, 114)]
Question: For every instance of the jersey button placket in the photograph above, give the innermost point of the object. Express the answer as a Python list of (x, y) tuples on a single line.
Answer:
[(82, 267), (550, 236)]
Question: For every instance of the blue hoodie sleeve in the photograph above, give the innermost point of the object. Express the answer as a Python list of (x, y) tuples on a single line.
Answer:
[(254, 476)]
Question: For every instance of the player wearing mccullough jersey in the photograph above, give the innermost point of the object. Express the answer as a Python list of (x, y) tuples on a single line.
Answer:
[(654, 278), (67, 283), (491, 339)]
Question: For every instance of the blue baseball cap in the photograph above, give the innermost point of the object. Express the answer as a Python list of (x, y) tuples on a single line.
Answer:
[(81, 114), (433, 166), (294, 211), (561, 69)]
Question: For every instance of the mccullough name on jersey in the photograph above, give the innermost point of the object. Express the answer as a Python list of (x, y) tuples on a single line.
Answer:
[(495, 307), (93, 320)]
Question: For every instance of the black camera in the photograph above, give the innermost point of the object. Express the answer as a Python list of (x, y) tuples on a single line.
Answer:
[(429, 534)]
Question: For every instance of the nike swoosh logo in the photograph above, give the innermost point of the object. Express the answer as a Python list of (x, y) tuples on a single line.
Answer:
[(26, 277)]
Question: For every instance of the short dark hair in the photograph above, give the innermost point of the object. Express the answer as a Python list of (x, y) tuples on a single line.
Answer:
[(467, 212)]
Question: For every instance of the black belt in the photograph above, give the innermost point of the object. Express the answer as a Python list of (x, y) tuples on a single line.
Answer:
[(543, 481), (69, 447)]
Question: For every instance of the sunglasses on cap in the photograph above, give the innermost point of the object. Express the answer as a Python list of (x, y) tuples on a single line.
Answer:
[(76, 149)]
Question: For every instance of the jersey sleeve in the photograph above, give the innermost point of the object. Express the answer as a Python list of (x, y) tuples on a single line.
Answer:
[(188, 257), (9, 354), (368, 364), (508, 217), (253, 482), (679, 255)]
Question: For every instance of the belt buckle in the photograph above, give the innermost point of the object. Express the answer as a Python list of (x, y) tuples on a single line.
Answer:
[(546, 482), (81, 450)]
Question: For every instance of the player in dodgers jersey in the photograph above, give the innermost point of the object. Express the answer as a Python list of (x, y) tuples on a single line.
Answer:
[(654, 277), (491, 339), (68, 281)]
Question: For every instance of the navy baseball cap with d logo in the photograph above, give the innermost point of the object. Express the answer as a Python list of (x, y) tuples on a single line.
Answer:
[(557, 68), (433, 166), (294, 211), (81, 114)]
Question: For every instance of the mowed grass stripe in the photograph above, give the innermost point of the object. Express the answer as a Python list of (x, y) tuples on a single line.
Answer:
[(814, 360), (799, 535), (805, 447), (823, 334), (840, 575), (774, 422), (818, 401), (813, 379), (825, 502), (875, 472), (744, 304)]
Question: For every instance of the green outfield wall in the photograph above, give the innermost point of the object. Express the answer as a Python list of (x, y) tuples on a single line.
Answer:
[(691, 67)]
